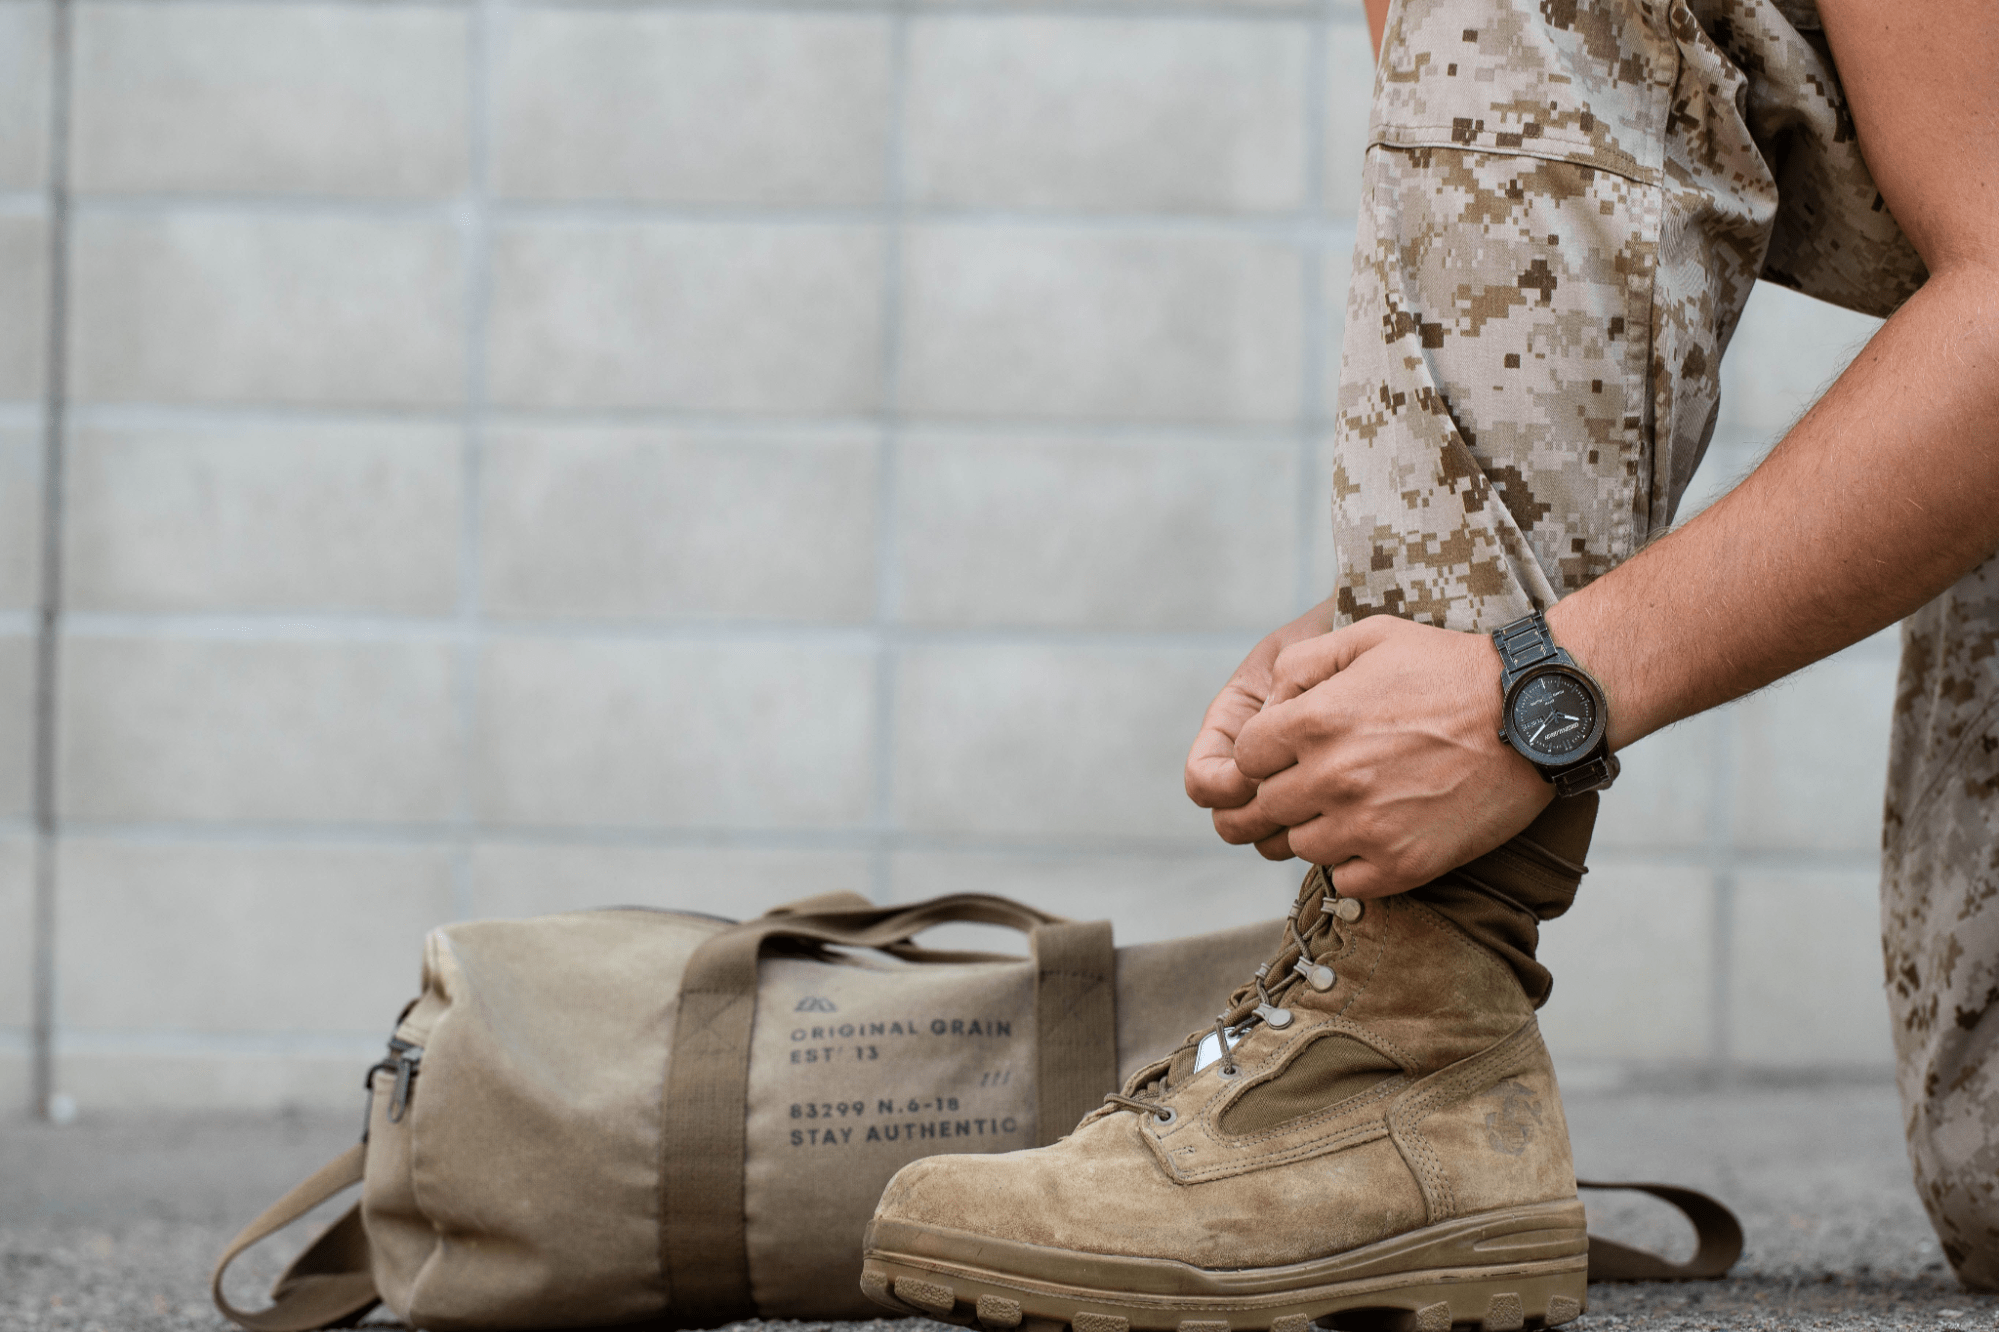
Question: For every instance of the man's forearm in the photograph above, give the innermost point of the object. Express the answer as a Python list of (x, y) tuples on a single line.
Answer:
[(1880, 498)]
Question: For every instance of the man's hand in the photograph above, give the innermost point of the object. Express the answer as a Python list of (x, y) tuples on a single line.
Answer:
[(1377, 752), (1213, 780)]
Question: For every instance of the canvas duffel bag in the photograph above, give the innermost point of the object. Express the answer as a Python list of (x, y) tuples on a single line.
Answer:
[(633, 1115), (642, 1117)]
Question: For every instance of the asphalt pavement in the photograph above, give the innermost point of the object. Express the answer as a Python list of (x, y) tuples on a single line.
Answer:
[(114, 1221)]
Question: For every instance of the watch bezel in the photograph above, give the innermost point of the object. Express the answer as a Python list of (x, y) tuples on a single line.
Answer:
[(1599, 725)]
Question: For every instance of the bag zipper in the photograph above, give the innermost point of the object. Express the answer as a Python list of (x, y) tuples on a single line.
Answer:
[(405, 1061)]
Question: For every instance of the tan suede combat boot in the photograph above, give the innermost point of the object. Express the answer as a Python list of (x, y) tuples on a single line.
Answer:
[(1371, 1136)]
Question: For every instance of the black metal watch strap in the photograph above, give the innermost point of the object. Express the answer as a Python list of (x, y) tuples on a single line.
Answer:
[(1594, 775), (1527, 642)]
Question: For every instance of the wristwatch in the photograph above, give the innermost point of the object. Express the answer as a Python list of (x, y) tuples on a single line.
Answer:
[(1553, 711)]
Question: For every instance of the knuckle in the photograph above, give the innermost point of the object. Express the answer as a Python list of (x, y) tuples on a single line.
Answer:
[(1347, 785), (1365, 829)]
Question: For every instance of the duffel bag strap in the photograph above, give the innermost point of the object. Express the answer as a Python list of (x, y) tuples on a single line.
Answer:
[(1075, 1023), (333, 1280), (703, 1253), (1719, 1239)]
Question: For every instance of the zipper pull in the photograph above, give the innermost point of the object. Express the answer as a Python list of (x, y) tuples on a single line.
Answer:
[(408, 1057)]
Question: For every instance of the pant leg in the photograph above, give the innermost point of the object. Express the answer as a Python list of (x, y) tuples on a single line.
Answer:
[(1940, 914), (1566, 205)]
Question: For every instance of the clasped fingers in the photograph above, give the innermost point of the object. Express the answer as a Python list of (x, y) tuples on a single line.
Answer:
[(1276, 738)]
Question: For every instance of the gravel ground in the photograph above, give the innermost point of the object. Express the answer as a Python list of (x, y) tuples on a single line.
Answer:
[(113, 1222)]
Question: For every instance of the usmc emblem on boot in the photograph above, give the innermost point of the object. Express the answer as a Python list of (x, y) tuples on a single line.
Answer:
[(1511, 1127)]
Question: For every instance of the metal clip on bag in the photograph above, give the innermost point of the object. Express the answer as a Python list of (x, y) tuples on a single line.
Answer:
[(631, 1116)]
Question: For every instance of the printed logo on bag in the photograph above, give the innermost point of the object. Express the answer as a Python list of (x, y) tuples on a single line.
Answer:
[(891, 1065)]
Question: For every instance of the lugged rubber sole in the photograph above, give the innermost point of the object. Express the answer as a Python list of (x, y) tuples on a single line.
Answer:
[(1513, 1268)]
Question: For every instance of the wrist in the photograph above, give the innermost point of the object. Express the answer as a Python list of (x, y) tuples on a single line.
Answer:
[(1581, 626)]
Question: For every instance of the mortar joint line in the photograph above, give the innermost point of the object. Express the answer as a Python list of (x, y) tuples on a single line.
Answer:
[(47, 823), (888, 590), (1295, 226), (1310, 515), (475, 222)]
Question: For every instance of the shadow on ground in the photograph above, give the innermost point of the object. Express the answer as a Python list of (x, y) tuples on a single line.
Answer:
[(113, 1223)]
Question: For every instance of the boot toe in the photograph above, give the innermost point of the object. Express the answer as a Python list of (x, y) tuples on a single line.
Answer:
[(1079, 1187)]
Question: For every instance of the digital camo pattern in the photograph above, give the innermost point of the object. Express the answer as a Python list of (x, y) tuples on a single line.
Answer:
[(1491, 409), (1566, 206), (1940, 914)]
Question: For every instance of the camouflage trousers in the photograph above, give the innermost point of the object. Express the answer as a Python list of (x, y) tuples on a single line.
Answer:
[(1566, 205)]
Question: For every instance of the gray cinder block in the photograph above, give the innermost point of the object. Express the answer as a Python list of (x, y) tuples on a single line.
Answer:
[(1805, 982), (1097, 531), (20, 518), (674, 734), (208, 730), (1055, 743), (1349, 93), (1131, 115), (24, 307), (1803, 786), (213, 936), (692, 107), (25, 51), (627, 522), (17, 726), (1180, 894), (775, 319), (525, 879), (315, 99), (1634, 966), (232, 307), (17, 934), (1141, 325), (271, 517)]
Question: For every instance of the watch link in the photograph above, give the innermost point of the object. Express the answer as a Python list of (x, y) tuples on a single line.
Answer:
[(1553, 712)]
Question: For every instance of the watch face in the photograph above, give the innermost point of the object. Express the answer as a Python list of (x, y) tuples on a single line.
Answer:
[(1553, 713)]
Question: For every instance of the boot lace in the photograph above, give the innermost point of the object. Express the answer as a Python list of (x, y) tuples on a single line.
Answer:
[(1293, 965), (1159, 1111)]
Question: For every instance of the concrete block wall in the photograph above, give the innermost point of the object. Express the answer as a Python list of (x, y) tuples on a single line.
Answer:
[(523, 455)]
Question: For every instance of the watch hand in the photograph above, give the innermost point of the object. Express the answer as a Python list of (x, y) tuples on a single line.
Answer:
[(1537, 732)]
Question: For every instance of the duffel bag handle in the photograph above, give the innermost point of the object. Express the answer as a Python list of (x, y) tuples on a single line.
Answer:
[(702, 1245), (845, 900), (840, 900), (332, 1281)]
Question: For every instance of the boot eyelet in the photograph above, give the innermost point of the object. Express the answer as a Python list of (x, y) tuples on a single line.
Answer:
[(1162, 1121), (1317, 975)]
